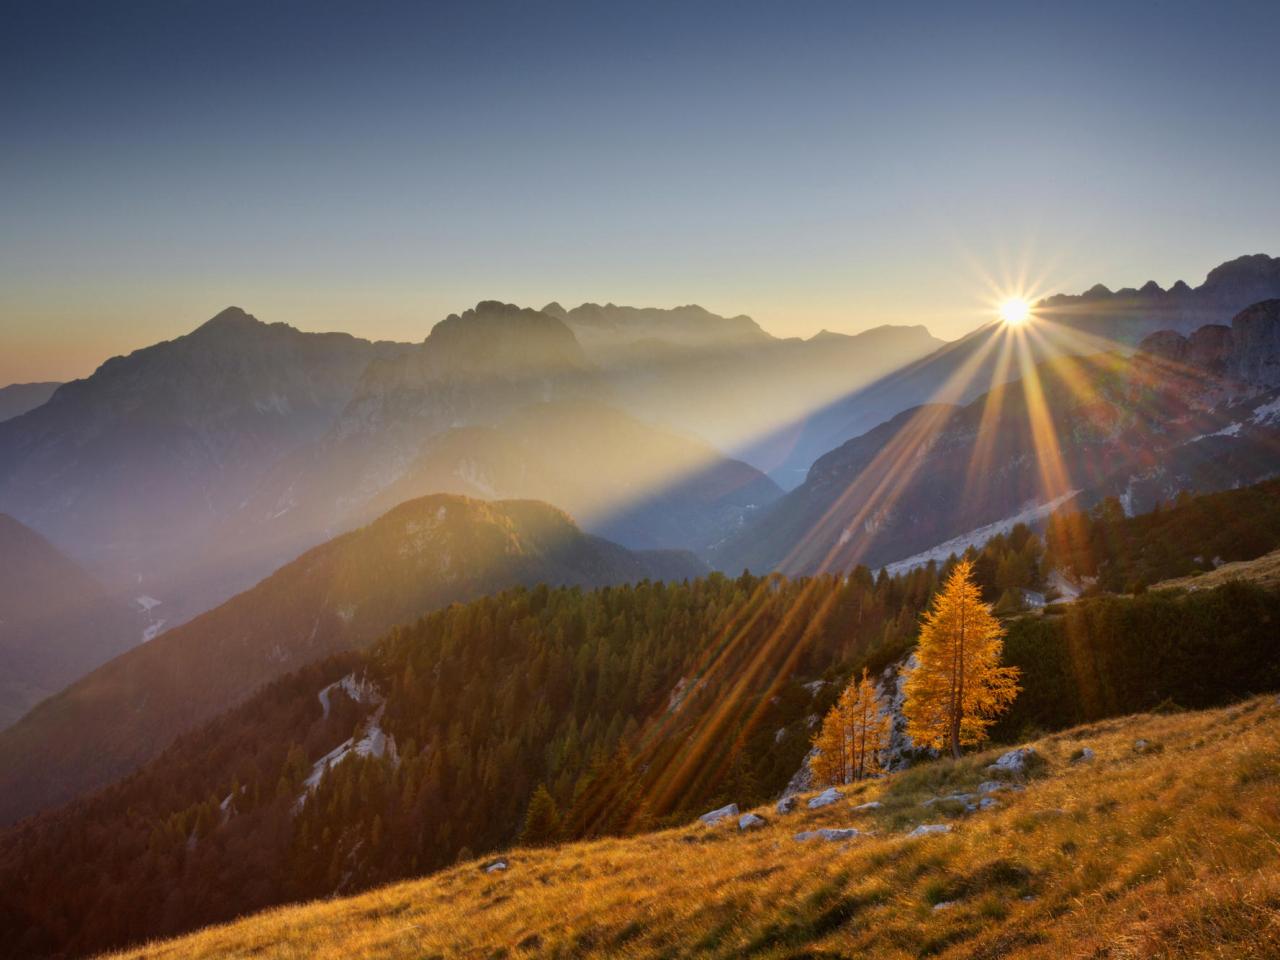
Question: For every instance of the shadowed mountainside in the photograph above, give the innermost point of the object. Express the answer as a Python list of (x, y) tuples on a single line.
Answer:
[(17, 398)]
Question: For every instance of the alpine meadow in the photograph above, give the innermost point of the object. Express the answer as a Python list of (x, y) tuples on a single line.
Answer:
[(566, 480)]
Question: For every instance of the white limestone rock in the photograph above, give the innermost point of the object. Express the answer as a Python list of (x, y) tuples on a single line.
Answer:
[(926, 829), (713, 817), (825, 798), (830, 834)]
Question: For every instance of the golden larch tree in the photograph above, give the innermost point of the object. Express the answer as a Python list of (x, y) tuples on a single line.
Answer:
[(958, 688), (853, 734)]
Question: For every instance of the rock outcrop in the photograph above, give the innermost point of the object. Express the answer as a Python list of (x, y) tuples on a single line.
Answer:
[(723, 813)]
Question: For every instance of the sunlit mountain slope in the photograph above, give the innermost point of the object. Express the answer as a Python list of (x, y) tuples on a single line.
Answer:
[(1157, 843)]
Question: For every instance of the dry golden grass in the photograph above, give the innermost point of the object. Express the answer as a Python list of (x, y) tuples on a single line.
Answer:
[(1169, 852), (1263, 570)]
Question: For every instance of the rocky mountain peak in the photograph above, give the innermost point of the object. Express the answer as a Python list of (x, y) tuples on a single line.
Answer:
[(503, 338), (1257, 268), (230, 319)]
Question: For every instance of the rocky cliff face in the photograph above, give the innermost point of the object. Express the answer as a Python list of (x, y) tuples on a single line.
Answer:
[(1247, 352)]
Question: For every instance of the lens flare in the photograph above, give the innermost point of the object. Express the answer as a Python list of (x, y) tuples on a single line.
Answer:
[(1015, 311)]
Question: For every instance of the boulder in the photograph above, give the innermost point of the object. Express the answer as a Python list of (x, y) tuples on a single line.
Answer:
[(825, 798), (785, 805), (995, 786), (715, 816), (1013, 763), (749, 821), (1085, 756), (988, 803), (944, 905), (495, 866), (965, 798), (870, 805), (925, 829), (831, 834)]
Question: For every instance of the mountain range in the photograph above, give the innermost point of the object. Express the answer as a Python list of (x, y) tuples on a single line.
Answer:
[(961, 371), (1197, 413)]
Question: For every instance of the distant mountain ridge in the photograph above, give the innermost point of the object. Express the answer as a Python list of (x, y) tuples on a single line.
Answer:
[(418, 557), (1129, 314), (964, 369)]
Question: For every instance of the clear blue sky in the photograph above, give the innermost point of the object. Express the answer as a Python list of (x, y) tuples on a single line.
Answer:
[(375, 166)]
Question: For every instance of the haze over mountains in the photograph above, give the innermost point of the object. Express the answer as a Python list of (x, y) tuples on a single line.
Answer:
[(189, 470), (56, 622)]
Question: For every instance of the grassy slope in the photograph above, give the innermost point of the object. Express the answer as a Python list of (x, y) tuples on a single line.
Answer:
[(1168, 852), (1264, 570)]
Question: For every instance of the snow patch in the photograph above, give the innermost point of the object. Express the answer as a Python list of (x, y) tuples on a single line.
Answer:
[(373, 742), (1267, 412), (980, 535), (359, 689)]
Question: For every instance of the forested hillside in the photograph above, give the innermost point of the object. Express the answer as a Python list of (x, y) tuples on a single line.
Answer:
[(635, 707), (1193, 534)]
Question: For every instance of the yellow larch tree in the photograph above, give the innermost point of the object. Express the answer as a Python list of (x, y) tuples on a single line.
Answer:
[(958, 687), (853, 734)]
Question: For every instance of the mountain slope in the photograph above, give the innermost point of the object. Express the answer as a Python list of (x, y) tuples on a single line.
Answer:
[(1179, 414), (133, 469), (1128, 849), (56, 622), (17, 398), (420, 556)]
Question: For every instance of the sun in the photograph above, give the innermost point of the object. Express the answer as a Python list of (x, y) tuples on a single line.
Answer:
[(1015, 311)]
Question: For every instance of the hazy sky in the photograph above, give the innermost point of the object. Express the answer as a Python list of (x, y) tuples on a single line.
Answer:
[(373, 166)]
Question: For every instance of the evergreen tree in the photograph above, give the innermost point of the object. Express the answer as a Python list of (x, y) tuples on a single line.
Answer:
[(542, 822), (958, 688)]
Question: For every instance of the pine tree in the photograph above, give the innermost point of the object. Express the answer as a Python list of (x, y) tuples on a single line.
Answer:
[(958, 687), (853, 734), (542, 822)]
